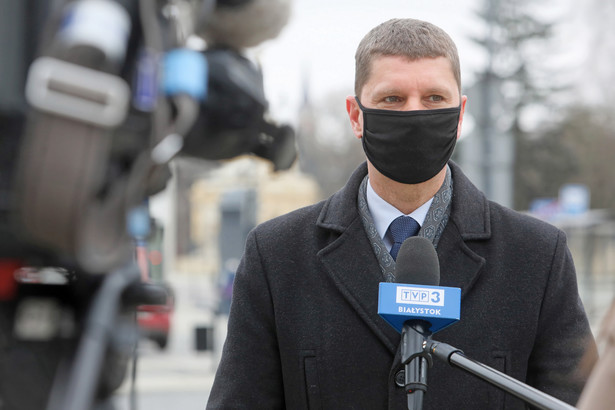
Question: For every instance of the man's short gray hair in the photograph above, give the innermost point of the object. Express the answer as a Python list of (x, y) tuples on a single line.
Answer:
[(410, 38)]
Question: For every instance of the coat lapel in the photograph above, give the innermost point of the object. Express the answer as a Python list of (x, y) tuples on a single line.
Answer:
[(352, 265), (349, 260), (460, 266)]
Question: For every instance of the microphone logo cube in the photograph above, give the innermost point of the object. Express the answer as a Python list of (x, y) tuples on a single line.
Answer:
[(420, 296), (438, 305)]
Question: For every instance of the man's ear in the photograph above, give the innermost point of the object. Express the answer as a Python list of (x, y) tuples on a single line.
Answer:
[(355, 115), (463, 109)]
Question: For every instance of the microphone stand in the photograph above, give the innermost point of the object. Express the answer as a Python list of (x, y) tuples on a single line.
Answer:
[(416, 362), (455, 358)]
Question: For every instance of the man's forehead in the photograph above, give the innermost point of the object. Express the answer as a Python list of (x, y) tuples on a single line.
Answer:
[(400, 66), (443, 77)]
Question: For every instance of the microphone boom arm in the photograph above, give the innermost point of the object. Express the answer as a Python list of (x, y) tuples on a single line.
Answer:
[(456, 358)]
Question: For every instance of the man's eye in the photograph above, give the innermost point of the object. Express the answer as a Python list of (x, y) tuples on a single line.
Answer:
[(435, 98), (392, 99)]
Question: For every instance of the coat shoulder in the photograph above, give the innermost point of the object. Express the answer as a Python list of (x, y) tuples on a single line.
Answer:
[(285, 227), (518, 224)]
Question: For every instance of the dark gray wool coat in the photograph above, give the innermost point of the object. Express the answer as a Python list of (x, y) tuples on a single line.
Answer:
[(304, 331)]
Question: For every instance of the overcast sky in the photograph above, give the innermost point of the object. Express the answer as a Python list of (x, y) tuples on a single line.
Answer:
[(318, 44)]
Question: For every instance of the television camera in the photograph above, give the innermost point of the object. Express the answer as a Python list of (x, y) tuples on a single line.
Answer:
[(96, 97)]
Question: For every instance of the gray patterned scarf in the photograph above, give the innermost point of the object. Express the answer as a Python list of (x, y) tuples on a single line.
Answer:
[(432, 228)]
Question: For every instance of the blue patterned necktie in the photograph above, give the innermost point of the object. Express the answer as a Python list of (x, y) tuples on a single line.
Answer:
[(401, 229)]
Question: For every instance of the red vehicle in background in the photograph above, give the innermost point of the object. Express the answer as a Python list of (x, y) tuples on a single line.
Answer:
[(154, 320)]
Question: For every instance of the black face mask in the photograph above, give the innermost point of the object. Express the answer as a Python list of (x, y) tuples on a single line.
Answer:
[(409, 146)]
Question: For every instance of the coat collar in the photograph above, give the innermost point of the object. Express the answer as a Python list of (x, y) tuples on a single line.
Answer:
[(354, 269), (341, 209), (470, 210), (460, 266), (470, 207)]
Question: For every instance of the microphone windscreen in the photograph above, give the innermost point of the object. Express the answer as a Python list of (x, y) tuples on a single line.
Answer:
[(246, 24), (417, 262)]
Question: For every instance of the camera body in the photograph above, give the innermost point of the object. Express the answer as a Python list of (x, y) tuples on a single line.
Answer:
[(94, 109), (96, 97)]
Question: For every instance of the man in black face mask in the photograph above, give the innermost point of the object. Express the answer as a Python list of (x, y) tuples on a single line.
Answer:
[(304, 331)]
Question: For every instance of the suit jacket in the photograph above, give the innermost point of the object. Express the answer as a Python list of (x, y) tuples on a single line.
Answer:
[(304, 331)]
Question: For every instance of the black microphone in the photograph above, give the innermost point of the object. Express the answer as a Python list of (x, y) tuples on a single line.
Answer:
[(417, 264), (242, 24)]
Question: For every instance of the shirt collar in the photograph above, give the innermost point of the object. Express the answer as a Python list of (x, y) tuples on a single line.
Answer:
[(384, 213)]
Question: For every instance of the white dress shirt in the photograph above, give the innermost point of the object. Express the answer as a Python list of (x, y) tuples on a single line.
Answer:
[(384, 213)]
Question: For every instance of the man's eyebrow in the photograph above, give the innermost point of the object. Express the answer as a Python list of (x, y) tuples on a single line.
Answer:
[(438, 90), (387, 91)]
